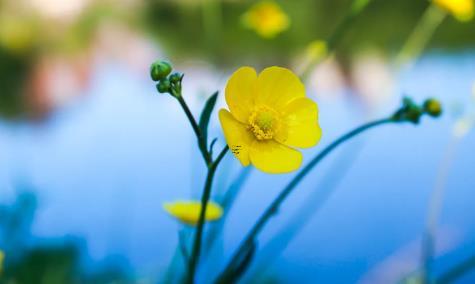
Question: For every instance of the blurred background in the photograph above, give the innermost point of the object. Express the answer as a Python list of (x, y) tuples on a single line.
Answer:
[(89, 151)]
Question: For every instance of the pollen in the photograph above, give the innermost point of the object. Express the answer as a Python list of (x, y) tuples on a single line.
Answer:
[(263, 122)]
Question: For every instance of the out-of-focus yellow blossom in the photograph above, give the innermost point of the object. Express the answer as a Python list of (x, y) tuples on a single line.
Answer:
[(270, 115), (462, 10), (188, 211), (267, 19)]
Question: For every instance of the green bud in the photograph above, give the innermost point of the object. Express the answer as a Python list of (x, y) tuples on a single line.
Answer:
[(433, 107), (164, 86), (175, 78), (408, 112), (160, 70)]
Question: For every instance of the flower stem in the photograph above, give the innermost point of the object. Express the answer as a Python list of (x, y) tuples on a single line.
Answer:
[(435, 208), (274, 206), (195, 254), (334, 39), (421, 34), (199, 134)]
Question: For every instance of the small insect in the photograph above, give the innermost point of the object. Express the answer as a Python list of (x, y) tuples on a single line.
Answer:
[(236, 149)]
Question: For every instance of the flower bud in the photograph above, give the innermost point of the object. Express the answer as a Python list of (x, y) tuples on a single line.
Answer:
[(163, 86), (160, 70), (175, 78), (408, 112), (432, 107)]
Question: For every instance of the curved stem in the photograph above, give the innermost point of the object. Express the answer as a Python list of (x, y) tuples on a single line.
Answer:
[(199, 134), (308, 209), (274, 206), (195, 254)]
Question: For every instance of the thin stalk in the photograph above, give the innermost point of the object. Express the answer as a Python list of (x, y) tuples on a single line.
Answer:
[(199, 134), (195, 254), (312, 205), (458, 271), (421, 34), (334, 39), (274, 206), (435, 207), (227, 202)]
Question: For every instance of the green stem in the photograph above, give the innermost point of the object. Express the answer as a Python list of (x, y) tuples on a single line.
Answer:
[(435, 207), (421, 34), (334, 39), (274, 206), (199, 134), (458, 271), (195, 254), (226, 203)]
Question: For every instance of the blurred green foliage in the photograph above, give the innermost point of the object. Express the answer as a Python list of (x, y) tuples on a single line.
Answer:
[(384, 25), (13, 71), (29, 260), (212, 30)]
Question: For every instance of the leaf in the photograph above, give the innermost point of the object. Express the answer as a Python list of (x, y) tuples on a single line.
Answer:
[(206, 114), (245, 261)]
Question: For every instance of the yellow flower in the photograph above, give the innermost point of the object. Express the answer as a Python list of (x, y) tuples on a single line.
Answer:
[(269, 116), (460, 9), (188, 211), (266, 18)]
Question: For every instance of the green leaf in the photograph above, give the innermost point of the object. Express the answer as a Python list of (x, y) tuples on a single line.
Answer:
[(239, 266), (206, 114)]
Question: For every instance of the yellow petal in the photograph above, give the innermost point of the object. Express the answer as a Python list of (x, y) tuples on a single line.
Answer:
[(188, 211), (267, 19), (240, 92), (238, 138), (463, 10), (299, 124), (272, 157), (277, 86)]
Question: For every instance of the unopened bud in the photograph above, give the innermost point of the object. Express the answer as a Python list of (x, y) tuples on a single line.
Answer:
[(175, 78), (433, 107), (164, 86), (160, 70)]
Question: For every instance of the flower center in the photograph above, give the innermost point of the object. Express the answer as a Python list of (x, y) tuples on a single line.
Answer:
[(263, 122)]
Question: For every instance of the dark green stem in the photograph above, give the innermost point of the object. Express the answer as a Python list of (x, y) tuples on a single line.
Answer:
[(199, 134), (274, 206), (196, 250), (458, 271)]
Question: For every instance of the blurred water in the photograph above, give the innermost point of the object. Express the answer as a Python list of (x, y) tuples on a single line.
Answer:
[(103, 167)]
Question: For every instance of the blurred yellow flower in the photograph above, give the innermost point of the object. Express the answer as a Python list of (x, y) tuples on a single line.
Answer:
[(267, 19), (460, 9), (270, 115), (188, 211)]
